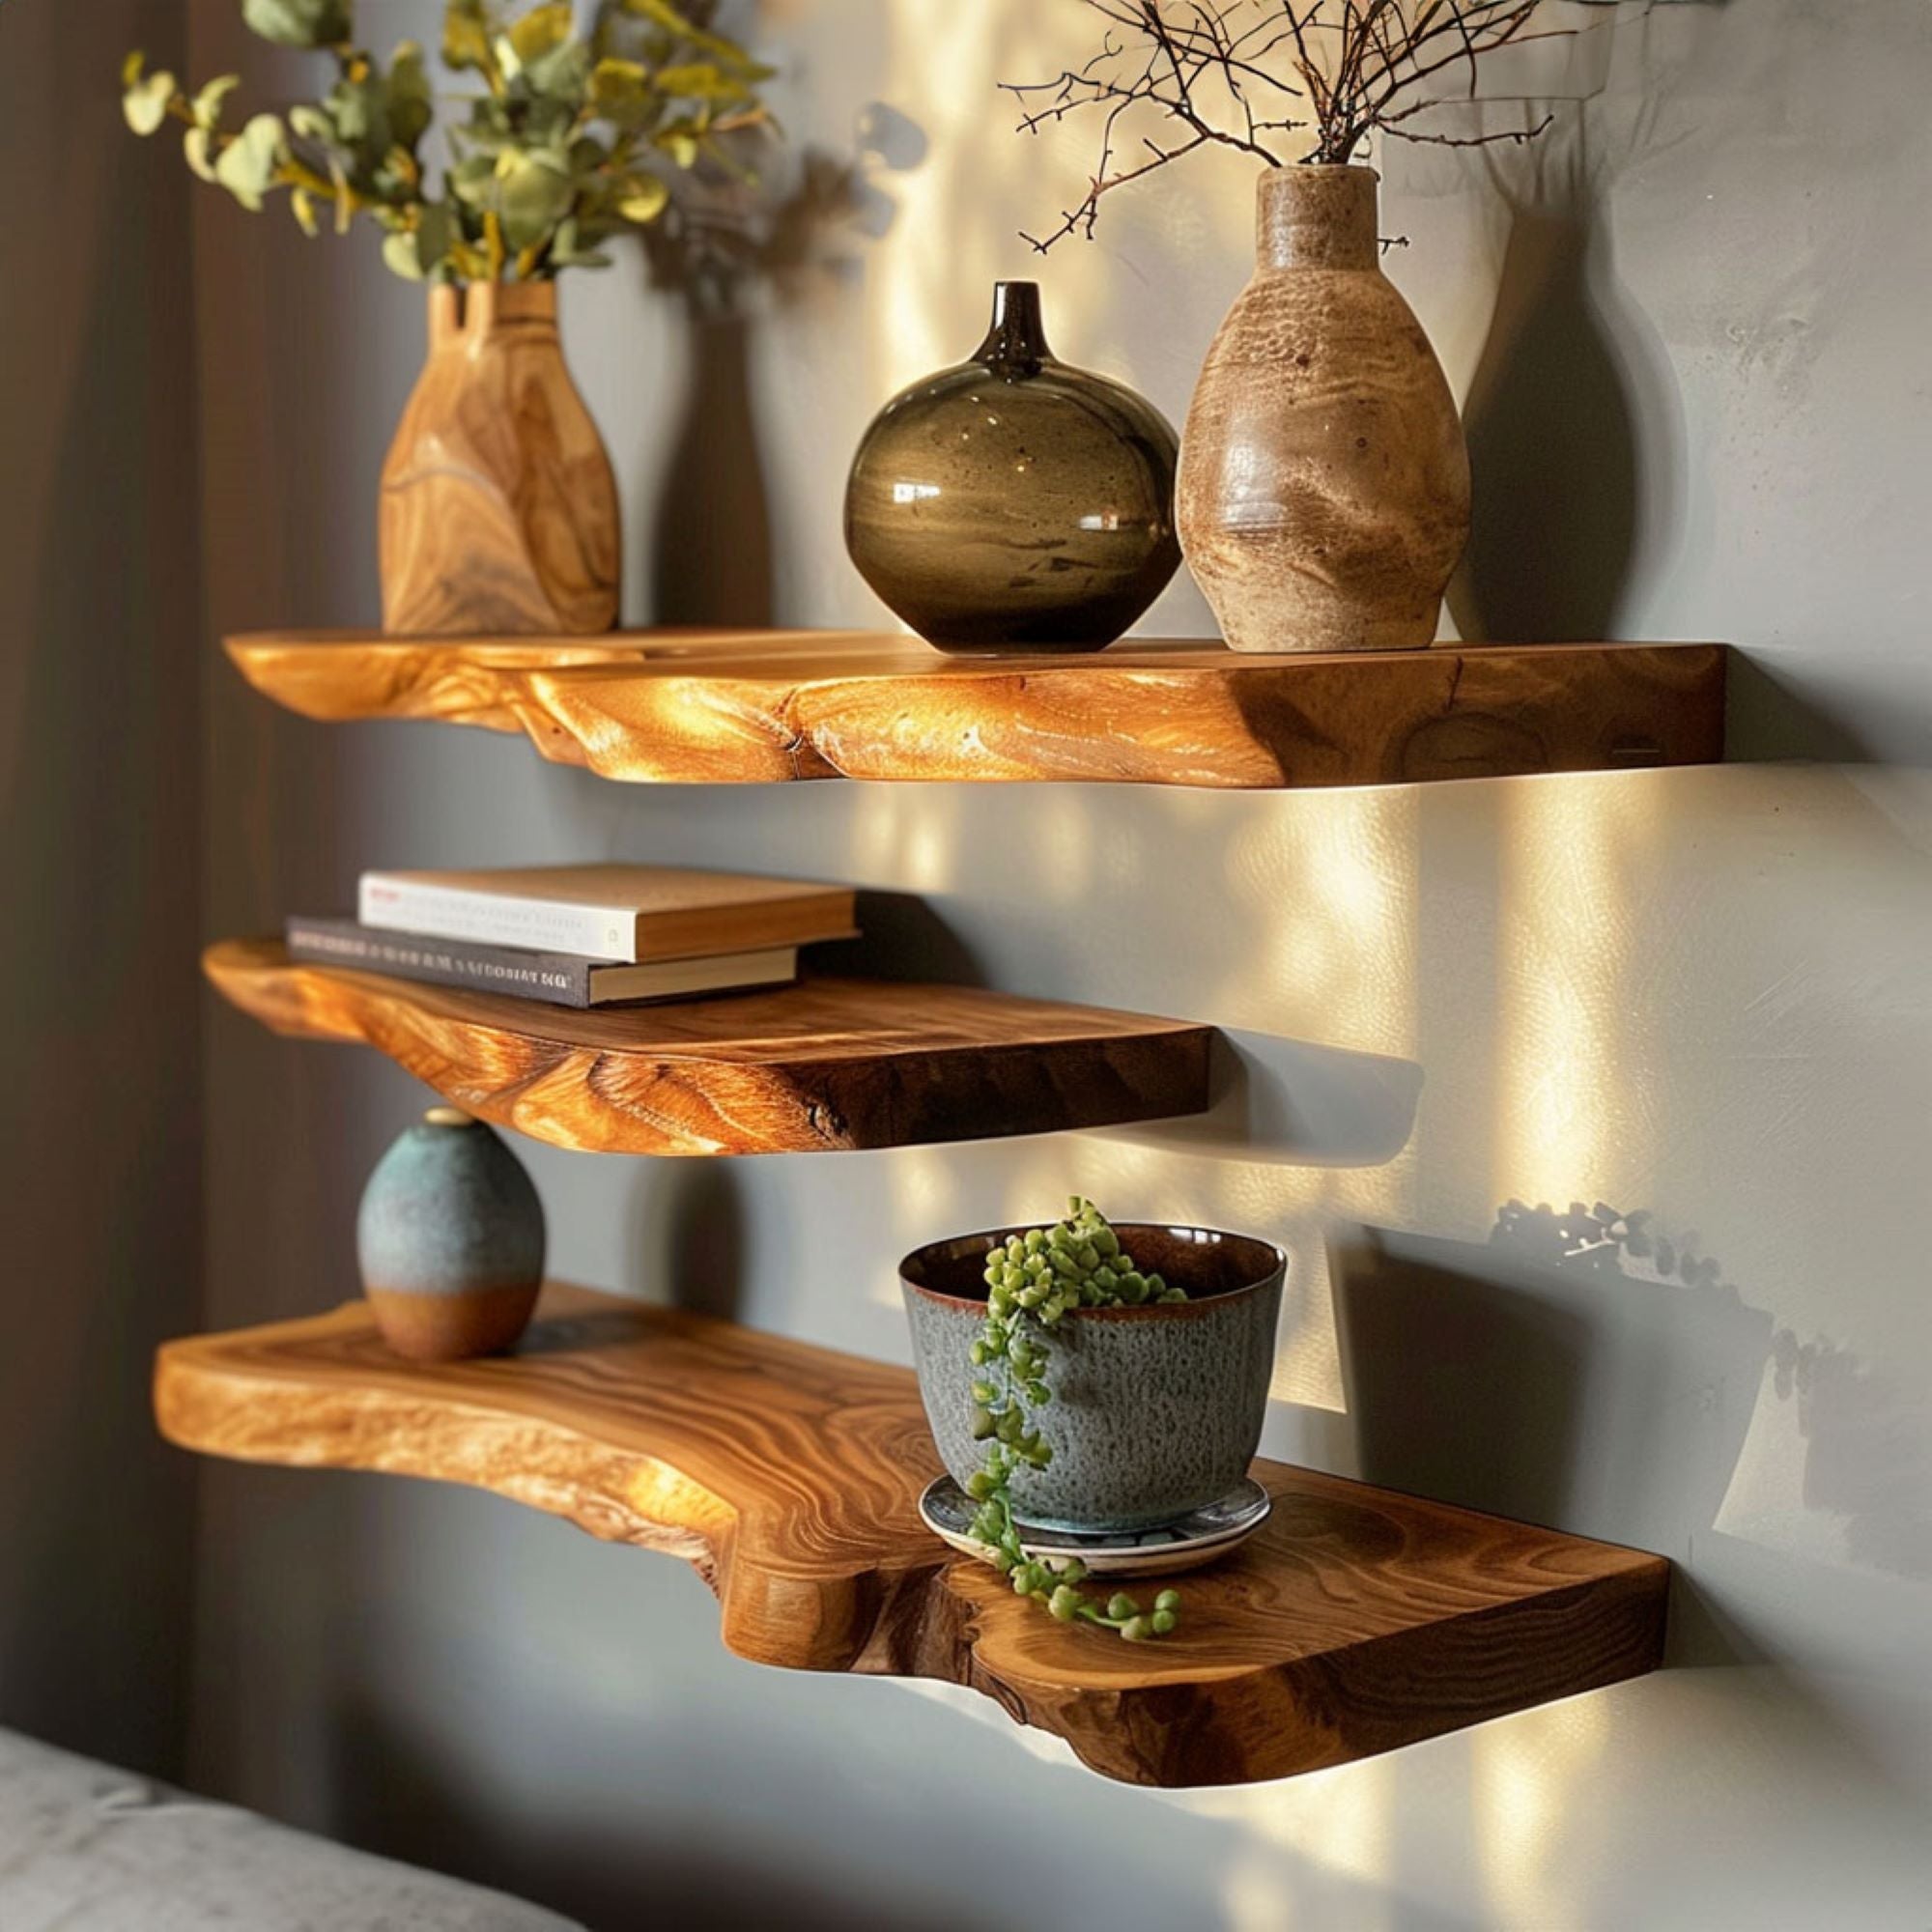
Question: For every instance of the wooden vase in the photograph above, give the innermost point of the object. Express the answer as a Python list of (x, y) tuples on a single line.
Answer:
[(499, 505), (1323, 493)]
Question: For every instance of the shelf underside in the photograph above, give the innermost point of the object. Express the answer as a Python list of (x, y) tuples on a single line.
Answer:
[(819, 1065), (742, 707), (1356, 1621)]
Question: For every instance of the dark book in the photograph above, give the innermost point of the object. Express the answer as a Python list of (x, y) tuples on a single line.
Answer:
[(557, 979)]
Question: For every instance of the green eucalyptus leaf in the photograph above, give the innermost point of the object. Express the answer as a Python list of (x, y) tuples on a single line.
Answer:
[(468, 30), (662, 14), (399, 254), (620, 89), (146, 101), (681, 146), (575, 247), (196, 145), (534, 192), (312, 124), (700, 80), (541, 31), (412, 107), (246, 166), (640, 198), (206, 104), (301, 23), (561, 77)]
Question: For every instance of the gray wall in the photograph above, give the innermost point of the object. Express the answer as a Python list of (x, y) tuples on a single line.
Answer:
[(1689, 326), (99, 775)]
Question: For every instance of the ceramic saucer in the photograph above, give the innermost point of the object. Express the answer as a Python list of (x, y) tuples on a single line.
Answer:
[(1187, 1543)]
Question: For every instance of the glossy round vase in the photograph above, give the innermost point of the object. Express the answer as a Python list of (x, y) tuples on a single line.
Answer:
[(450, 1238), (1156, 1411), (1324, 498), (1014, 503)]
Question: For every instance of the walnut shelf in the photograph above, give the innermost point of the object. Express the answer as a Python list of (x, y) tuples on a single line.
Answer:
[(822, 1065), (744, 707), (1356, 1621)]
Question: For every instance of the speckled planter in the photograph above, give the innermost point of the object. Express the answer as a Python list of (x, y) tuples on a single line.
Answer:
[(1155, 1412), (450, 1238)]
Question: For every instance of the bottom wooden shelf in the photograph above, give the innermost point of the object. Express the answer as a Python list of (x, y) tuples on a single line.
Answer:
[(1356, 1621)]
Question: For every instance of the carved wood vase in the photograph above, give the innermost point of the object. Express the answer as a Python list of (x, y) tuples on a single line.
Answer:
[(1323, 493), (499, 505)]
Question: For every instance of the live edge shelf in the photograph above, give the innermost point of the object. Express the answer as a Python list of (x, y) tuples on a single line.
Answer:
[(822, 1065), (744, 707), (1356, 1621)]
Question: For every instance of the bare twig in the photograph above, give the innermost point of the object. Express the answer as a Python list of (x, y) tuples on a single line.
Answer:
[(1351, 68)]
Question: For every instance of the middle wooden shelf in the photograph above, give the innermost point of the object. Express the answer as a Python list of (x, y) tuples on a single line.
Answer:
[(819, 1065)]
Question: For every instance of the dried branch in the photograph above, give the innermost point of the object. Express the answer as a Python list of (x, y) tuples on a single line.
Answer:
[(1252, 74)]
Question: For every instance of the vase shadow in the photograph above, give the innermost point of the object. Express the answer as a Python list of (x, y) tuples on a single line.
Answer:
[(1572, 419)]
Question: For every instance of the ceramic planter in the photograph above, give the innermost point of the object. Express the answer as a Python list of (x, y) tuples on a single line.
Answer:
[(1156, 1410), (1324, 482), (450, 1238), (499, 505), (1015, 502)]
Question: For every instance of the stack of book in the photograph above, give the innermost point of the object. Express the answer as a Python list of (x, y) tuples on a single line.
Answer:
[(579, 935)]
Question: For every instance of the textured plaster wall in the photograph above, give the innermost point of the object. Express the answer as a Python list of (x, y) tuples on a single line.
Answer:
[(1688, 328)]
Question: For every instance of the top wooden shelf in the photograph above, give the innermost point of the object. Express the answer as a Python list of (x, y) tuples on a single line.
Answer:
[(756, 706)]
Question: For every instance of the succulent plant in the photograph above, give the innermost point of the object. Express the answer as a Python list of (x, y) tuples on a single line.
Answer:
[(573, 139)]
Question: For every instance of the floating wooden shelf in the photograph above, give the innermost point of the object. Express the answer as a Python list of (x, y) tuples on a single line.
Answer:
[(739, 707), (1356, 1621), (825, 1063)]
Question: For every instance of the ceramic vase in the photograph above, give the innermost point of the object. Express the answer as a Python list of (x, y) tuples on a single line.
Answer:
[(1156, 1411), (1014, 503), (1324, 482), (498, 504), (450, 1238)]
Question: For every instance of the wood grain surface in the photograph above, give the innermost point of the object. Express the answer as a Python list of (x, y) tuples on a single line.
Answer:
[(1356, 1621), (1325, 481), (744, 707), (822, 1065), (499, 507)]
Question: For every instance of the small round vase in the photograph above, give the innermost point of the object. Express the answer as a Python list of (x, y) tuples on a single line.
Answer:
[(1324, 482), (450, 1238), (1014, 503)]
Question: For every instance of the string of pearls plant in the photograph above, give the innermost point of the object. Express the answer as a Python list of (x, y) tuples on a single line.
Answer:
[(1033, 1282)]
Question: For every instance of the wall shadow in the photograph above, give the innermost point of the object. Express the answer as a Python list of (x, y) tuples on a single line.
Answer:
[(398, 1797), (1572, 415)]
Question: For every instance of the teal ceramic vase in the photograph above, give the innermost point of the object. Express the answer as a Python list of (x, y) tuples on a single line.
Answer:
[(450, 1238), (1014, 502)]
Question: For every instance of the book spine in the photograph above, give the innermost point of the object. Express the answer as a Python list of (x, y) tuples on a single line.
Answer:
[(497, 919), (558, 980)]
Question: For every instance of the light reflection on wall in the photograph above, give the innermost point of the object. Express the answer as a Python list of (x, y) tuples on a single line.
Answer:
[(1572, 850)]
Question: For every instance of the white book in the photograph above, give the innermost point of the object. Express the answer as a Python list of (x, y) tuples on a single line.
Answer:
[(626, 914)]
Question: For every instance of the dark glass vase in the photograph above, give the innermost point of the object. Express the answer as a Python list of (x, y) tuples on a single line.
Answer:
[(1016, 504)]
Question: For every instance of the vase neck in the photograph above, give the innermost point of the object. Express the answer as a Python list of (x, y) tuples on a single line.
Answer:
[(1317, 217), (471, 312), (1017, 338)]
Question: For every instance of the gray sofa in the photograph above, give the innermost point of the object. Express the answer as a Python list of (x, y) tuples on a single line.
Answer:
[(84, 1848)]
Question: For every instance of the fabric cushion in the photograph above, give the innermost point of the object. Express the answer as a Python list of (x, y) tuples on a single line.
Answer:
[(84, 1848)]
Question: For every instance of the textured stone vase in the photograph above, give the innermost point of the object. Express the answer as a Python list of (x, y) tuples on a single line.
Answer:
[(499, 505), (450, 1238), (1324, 482), (1014, 503), (1156, 1410)]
